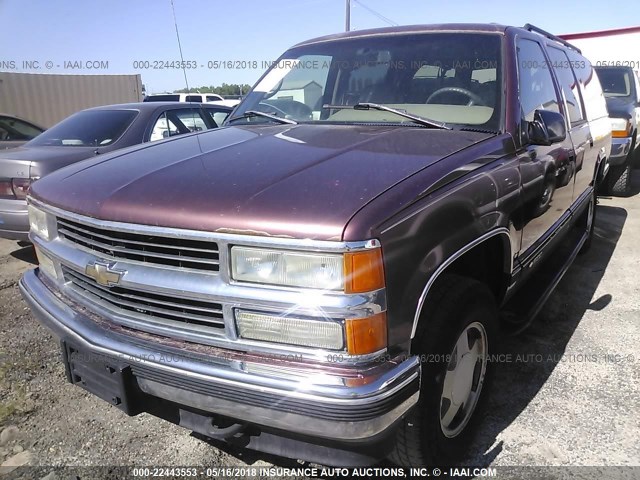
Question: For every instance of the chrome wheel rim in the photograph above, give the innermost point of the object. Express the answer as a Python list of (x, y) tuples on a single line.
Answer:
[(463, 379)]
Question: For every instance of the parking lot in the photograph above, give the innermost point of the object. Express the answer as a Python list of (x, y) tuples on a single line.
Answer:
[(566, 393)]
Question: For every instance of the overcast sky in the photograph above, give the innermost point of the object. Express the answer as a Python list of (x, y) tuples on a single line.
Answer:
[(123, 32)]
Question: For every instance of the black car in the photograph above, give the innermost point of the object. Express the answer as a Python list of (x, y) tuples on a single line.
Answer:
[(622, 91), (88, 133)]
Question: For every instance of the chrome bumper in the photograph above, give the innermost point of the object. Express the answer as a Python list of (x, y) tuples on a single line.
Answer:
[(619, 150), (326, 403), (14, 220)]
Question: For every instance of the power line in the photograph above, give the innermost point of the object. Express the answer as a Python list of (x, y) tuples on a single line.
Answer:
[(377, 14)]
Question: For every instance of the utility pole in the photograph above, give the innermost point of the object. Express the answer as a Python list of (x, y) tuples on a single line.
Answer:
[(347, 24)]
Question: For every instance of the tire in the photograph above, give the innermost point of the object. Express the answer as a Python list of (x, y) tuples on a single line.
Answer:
[(591, 223), (457, 307), (619, 179)]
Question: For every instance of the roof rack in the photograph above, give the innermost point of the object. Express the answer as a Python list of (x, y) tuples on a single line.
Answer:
[(551, 36)]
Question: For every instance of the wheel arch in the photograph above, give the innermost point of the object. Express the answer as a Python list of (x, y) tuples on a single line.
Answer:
[(492, 248)]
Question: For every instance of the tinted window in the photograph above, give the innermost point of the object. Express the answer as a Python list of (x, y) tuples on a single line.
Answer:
[(537, 90), (449, 77), (96, 128), (562, 68), (616, 82), (213, 98), (194, 98), (595, 105), (162, 98), (14, 129)]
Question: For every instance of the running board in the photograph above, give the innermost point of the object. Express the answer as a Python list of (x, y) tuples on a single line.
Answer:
[(522, 308)]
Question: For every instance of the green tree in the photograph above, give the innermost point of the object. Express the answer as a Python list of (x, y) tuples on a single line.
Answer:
[(225, 89)]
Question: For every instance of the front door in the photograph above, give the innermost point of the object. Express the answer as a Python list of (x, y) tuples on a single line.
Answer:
[(547, 172)]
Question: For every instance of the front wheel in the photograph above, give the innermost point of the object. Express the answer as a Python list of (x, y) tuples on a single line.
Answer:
[(591, 222), (456, 335)]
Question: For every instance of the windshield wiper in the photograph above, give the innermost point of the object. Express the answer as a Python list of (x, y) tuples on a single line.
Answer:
[(256, 113), (403, 113)]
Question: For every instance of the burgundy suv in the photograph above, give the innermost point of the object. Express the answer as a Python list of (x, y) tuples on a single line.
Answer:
[(326, 276)]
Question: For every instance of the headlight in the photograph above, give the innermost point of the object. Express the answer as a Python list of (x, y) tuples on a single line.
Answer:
[(353, 272), (38, 222), (308, 270), (620, 127)]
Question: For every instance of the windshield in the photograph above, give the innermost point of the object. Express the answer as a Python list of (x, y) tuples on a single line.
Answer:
[(616, 82), (452, 78), (91, 128)]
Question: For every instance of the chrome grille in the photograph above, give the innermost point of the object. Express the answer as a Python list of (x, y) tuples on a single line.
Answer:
[(151, 249), (168, 310)]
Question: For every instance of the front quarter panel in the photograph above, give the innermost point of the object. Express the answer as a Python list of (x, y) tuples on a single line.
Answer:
[(437, 212)]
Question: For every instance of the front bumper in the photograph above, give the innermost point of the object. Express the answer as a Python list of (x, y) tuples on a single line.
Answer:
[(620, 148), (14, 219), (330, 403)]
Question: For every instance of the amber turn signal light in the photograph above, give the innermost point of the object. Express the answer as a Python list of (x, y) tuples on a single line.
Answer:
[(620, 133), (366, 335), (363, 271)]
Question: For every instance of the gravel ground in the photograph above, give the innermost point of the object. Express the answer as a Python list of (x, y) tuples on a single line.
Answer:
[(569, 394)]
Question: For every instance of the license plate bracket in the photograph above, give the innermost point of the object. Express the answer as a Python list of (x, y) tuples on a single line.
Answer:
[(103, 376)]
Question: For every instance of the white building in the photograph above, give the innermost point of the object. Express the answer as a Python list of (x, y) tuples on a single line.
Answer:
[(620, 46), (303, 91)]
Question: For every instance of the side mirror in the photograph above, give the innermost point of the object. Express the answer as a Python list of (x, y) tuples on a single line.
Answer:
[(547, 128)]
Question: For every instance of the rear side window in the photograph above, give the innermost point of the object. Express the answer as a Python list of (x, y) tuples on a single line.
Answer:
[(537, 91), (189, 117), (163, 128), (194, 98), (595, 105), (562, 68), (177, 122)]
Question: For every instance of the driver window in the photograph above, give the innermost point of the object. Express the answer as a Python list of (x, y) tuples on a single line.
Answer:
[(537, 91)]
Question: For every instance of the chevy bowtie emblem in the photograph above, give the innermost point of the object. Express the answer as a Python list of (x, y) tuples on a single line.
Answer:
[(104, 273)]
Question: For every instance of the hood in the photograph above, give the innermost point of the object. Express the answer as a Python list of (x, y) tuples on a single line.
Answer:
[(620, 107), (303, 181), (44, 160)]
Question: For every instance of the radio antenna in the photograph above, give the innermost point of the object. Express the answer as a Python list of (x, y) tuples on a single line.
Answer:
[(184, 71), (175, 22)]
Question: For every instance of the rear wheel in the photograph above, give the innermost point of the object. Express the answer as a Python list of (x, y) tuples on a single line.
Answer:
[(618, 180), (456, 334)]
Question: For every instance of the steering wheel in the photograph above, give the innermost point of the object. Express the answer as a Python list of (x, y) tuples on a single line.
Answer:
[(474, 99)]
